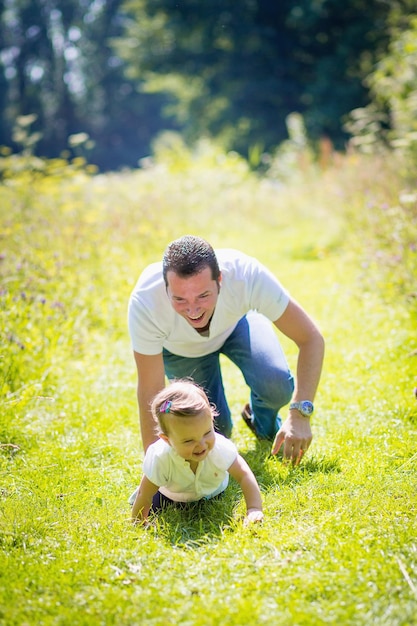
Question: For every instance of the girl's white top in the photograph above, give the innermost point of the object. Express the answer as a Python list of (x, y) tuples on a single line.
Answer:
[(175, 478)]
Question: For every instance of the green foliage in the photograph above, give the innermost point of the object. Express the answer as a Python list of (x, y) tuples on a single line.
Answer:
[(58, 64), (22, 134), (338, 544), (381, 206), (393, 84), (121, 72), (294, 157), (391, 118), (236, 72)]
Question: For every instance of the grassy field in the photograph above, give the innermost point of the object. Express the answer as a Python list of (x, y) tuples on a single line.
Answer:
[(339, 540)]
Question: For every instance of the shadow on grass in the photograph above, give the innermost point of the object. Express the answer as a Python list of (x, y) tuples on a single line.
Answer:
[(271, 470), (204, 522), (198, 523)]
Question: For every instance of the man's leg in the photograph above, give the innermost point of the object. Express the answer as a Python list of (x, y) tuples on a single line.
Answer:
[(254, 348), (205, 371)]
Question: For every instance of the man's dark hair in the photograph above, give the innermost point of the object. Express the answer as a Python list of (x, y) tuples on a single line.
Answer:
[(188, 256)]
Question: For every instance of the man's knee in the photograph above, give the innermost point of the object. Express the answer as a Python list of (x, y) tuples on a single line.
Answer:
[(287, 391), (276, 391)]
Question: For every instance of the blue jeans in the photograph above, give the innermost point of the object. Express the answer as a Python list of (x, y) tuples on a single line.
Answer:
[(254, 347), (160, 501)]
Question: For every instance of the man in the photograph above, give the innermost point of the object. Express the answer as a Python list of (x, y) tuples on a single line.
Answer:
[(199, 304)]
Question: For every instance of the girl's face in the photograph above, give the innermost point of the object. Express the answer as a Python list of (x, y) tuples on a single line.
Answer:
[(191, 437)]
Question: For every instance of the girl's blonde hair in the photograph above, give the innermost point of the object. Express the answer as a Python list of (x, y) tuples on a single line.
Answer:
[(181, 398)]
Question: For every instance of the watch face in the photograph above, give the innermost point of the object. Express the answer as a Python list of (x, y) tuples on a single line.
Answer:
[(307, 407)]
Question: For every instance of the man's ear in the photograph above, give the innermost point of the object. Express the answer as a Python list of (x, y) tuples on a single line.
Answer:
[(164, 437)]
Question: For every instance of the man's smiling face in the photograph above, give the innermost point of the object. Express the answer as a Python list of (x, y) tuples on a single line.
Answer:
[(194, 297)]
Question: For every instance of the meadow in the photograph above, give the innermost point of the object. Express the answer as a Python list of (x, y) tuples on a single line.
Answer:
[(339, 541)]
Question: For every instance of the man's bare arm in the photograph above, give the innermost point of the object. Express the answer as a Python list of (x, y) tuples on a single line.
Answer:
[(295, 432), (298, 326), (151, 379)]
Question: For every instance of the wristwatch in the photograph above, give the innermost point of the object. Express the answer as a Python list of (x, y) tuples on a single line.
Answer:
[(305, 407)]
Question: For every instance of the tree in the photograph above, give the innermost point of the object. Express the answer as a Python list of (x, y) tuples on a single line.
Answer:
[(57, 63), (34, 66), (236, 70), (393, 85), (120, 71), (390, 119)]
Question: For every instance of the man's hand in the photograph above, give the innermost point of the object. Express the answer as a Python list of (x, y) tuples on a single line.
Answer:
[(295, 435)]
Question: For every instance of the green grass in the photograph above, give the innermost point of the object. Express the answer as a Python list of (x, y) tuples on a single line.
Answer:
[(339, 540)]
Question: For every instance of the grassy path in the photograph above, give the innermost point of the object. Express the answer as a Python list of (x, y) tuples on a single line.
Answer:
[(339, 542)]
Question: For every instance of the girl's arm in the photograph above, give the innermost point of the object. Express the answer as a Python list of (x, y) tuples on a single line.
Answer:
[(242, 473), (143, 500)]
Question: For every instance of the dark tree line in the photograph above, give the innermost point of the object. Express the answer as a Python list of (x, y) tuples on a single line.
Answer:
[(57, 62), (123, 71)]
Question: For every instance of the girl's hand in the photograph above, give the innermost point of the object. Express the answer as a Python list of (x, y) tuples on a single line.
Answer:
[(253, 516)]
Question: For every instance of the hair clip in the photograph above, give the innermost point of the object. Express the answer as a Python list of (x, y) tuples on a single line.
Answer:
[(165, 406)]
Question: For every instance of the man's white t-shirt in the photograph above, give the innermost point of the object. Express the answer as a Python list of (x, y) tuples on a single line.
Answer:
[(246, 285), (175, 478)]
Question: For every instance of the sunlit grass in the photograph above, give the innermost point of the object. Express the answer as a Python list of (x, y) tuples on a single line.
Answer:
[(338, 544)]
